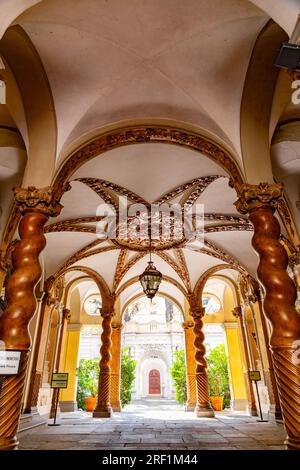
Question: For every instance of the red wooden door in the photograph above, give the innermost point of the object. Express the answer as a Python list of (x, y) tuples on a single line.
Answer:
[(154, 382)]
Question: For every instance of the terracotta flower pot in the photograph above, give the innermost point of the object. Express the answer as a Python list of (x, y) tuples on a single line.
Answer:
[(217, 403), (90, 403)]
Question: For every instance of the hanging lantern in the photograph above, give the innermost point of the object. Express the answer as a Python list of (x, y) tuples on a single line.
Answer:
[(150, 280)]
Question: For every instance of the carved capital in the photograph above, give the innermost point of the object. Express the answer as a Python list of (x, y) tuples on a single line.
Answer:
[(106, 312), (237, 311), (42, 200), (187, 325), (66, 313), (197, 312), (250, 289), (252, 196)]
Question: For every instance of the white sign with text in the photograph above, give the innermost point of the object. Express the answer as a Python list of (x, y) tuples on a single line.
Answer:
[(9, 362)]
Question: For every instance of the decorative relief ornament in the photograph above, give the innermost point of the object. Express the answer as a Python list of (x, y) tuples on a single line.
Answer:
[(38, 199), (252, 196)]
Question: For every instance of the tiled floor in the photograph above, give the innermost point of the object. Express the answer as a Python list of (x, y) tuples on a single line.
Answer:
[(155, 424)]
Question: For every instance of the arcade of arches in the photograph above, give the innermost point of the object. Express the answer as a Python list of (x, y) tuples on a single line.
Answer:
[(156, 103)]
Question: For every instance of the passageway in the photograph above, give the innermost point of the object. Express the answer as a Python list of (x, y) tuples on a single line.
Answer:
[(155, 424)]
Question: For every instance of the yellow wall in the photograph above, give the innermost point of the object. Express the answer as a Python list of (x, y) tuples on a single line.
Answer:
[(235, 362), (70, 361)]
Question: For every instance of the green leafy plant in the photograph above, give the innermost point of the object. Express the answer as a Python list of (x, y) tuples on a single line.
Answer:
[(178, 374), (128, 366), (88, 377), (217, 370)]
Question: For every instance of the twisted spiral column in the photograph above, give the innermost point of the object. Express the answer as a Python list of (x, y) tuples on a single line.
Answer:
[(103, 408), (279, 302), (190, 365), (203, 406), (14, 322), (35, 205)]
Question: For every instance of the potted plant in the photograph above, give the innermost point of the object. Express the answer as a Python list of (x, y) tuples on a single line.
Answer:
[(88, 376), (218, 378)]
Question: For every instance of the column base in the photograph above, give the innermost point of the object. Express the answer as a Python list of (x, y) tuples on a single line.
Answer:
[(67, 406), (116, 406), (205, 412), (8, 443), (239, 404), (190, 406), (275, 415), (33, 411), (103, 413), (293, 443), (252, 409)]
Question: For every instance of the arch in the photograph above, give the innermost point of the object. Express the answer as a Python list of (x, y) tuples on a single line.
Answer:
[(96, 277), (142, 134), (23, 59), (198, 290), (72, 285), (257, 102), (160, 294), (231, 284), (168, 279)]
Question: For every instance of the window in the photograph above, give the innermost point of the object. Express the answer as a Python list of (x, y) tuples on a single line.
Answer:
[(211, 303), (92, 305)]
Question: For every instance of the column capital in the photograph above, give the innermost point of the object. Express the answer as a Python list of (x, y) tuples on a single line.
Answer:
[(251, 196), (250, 289), (106, 312), (187, 325), (66, 314), (237, 311), (197, 312), (43, 200)]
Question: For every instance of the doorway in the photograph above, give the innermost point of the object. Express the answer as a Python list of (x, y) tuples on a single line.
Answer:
[(154, 382)]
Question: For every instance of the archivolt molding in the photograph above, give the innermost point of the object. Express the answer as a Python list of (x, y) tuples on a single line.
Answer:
[(73, 284), (199, 287), (234, 287), (143, 134), (96, 277)]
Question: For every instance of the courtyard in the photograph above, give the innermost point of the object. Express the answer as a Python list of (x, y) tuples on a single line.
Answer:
[(155, 424)]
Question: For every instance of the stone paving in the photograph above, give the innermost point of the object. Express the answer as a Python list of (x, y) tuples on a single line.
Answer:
[(155, 424)]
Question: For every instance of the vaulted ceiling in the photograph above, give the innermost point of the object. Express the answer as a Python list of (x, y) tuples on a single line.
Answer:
[(105, 65)]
